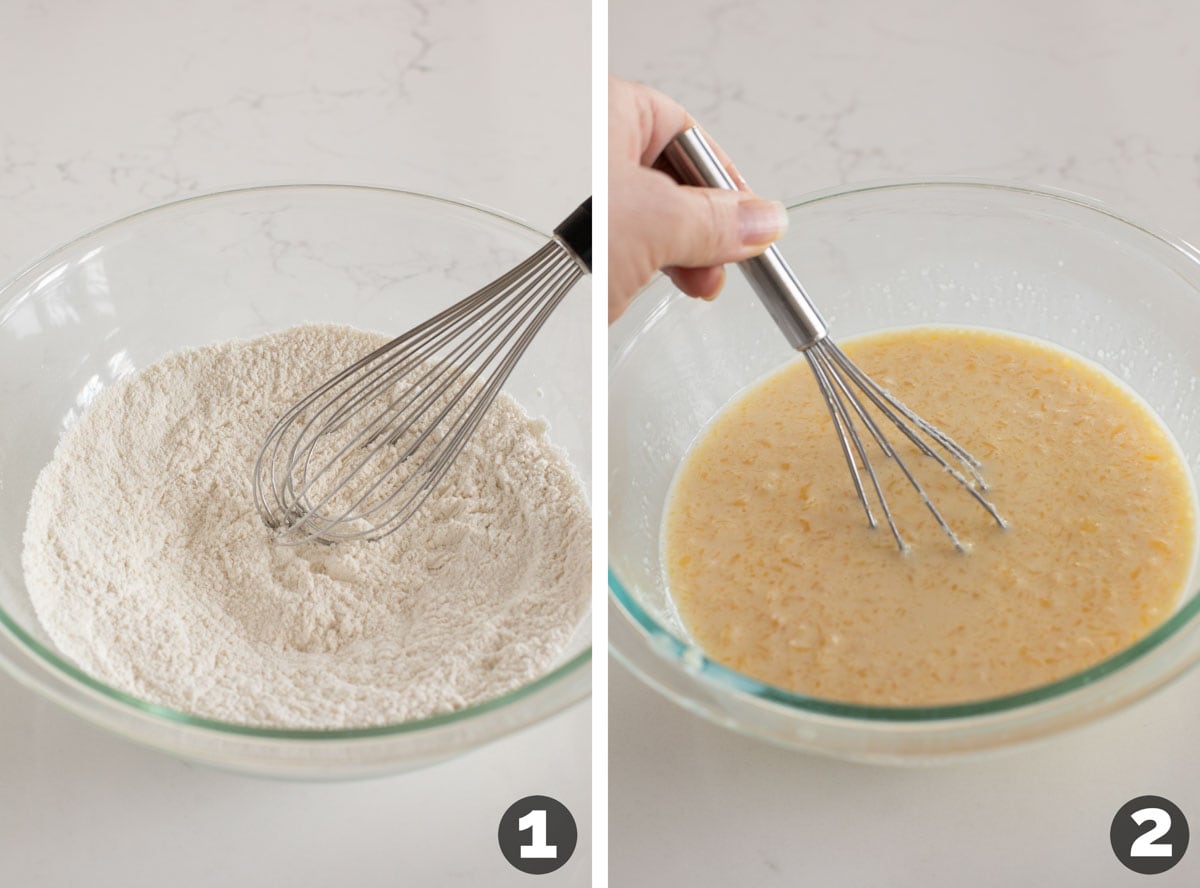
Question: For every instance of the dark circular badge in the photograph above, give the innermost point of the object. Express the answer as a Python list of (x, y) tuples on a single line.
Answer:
[(1149, 834), (537, 834)]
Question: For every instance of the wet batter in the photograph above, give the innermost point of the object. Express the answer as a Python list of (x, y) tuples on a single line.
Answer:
[(776, 574)]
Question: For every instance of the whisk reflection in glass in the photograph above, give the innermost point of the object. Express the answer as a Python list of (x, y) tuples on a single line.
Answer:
[(359, 455)]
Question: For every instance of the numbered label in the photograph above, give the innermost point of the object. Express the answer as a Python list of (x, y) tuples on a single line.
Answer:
[(537, 834), (1149, 834), (535, 822)]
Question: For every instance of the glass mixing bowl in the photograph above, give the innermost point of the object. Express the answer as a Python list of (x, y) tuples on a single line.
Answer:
[(1049, 265), (235, 265)]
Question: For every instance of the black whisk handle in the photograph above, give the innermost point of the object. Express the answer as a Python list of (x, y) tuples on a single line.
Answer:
[(576, 232)]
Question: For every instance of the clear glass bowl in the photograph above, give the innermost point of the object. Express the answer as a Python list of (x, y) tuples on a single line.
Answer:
[(235, 265), (1049, 265)]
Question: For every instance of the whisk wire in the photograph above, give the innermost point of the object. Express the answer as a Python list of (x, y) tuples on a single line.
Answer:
[(433, 335), (830, 359), (427, 474), (843, 423), (887, 404), (439, 460), (692, 161), (846, 434), (324, 469), (402, 361), (890, 452), (894, 409), (448, 445), (427, 389)]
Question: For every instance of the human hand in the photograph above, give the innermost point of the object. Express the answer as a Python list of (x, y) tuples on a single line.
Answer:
[(656, 224)]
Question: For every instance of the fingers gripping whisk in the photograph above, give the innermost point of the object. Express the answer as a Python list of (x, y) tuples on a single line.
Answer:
[(861, 410), (359, 456)]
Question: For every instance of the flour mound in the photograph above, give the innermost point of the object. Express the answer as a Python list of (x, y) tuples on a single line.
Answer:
[(150, 568)]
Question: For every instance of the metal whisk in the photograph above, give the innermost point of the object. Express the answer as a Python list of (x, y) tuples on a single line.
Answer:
[(692, 161), (358, 456)]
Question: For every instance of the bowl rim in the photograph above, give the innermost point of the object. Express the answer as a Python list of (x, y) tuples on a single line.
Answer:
[(34, 268), (725, 679), (24, 281), (1064, 195)]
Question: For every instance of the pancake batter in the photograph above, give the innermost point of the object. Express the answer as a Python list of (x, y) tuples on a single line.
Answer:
[(776, 574)]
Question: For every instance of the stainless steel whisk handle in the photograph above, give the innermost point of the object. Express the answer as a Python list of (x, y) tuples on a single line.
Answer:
[(690, 160)]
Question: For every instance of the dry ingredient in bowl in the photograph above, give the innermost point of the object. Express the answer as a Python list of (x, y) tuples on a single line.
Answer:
[(776, 575), (149, 567)]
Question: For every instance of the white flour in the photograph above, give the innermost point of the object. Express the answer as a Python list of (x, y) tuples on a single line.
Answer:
[(150, 568)]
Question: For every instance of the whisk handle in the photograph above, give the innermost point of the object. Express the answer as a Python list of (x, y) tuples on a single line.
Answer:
[(575, 232), (690, 160)]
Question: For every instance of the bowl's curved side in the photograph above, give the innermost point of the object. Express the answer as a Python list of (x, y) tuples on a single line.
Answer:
[(236, 264), (303, 755), (1050, 265)]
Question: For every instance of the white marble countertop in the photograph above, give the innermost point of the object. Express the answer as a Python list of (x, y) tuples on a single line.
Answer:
[(116, 106), (1094, 97)]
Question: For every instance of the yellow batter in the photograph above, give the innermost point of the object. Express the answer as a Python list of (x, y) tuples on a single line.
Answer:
[(776, 574)]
